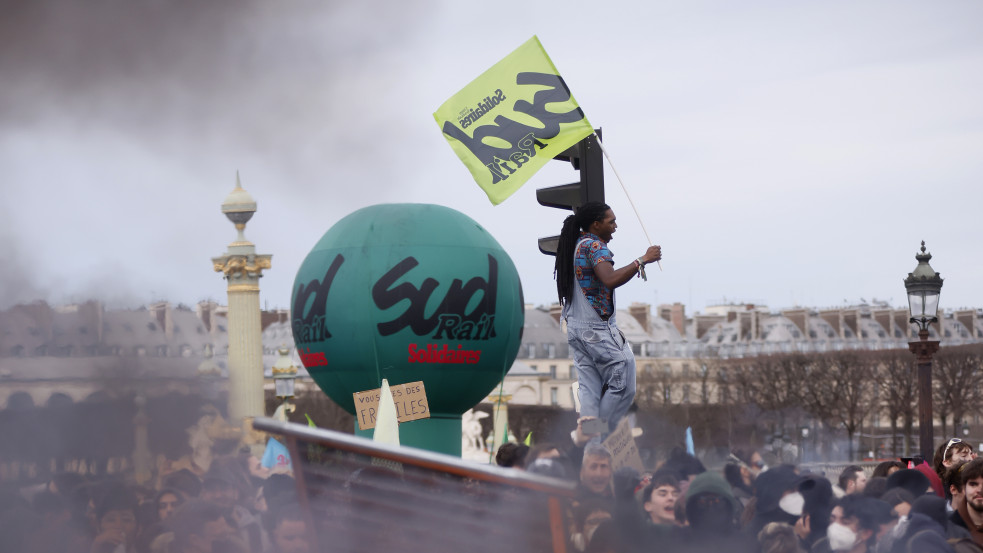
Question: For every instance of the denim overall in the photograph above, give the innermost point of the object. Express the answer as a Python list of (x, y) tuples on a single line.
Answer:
[(602, 357)]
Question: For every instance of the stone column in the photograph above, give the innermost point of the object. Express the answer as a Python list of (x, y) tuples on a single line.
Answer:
[(242, 268), (142, 458), (500, 419)]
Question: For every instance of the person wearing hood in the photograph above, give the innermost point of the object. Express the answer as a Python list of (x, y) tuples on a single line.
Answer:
[(711, 512), (817, 494), (777, 498), (926, 530), (900, 500)]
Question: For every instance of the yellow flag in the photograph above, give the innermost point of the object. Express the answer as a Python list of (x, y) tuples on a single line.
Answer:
[(513, 119)]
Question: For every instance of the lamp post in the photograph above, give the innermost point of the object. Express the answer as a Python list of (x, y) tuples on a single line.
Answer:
[(965, 429), (284, 378), (923, 287), (804, 432)]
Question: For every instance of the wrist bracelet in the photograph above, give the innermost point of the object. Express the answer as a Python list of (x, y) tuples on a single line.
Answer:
[(641, 269)]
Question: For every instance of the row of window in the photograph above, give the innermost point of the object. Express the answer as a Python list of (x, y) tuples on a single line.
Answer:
[(45, 350), (151, 326)]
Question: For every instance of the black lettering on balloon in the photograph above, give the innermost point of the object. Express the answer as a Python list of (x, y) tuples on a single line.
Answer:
[(449, 319), (309, 323)]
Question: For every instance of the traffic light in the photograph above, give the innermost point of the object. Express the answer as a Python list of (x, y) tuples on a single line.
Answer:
[(585, 156)]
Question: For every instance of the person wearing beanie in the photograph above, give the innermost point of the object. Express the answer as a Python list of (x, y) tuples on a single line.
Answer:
[(913, 481), (899, 499)]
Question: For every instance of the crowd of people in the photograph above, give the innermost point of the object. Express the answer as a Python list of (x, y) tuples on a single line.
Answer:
[(228, 509), (908, 506), (742, 507)]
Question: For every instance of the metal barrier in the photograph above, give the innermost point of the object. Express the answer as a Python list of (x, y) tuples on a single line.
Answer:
[(364, 496)]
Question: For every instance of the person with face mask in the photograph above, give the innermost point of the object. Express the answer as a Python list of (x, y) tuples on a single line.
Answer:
[(777, 498), (711, 512), (853, 527), (817, 493)]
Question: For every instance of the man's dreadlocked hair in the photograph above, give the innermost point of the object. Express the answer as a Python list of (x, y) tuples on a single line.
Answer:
[(581, 220)]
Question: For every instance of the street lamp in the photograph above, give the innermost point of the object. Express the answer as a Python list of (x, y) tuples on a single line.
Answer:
[(965, 429), (284, 377), (804, 432), (923, 286)]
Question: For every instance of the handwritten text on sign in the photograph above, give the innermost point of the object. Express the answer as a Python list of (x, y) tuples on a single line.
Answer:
[(410, 399), (624, 452)]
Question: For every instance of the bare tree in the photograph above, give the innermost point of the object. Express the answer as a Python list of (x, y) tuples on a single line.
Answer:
[(899, 374), (955, 377), (838, 390), (648, 387), (707, 367), (772, 382)]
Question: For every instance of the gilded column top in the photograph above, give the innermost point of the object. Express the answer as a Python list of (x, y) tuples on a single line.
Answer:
[(236, 267)]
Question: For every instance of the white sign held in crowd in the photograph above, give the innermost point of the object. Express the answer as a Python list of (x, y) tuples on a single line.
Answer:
[(621, 444)]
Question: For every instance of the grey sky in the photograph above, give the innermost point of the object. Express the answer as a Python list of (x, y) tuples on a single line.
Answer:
[(780, 152)]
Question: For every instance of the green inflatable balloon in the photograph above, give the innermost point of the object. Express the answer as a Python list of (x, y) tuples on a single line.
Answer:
[(408, 292)]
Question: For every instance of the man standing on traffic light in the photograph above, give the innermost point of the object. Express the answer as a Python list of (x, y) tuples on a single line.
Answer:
[(585, 282)]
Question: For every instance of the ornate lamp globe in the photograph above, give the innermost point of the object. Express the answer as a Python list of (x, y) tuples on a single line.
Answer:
[(923, 286), (239, 206), (284, 374)]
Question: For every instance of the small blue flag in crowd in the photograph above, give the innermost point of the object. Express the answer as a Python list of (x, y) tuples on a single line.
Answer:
[(276, 455)]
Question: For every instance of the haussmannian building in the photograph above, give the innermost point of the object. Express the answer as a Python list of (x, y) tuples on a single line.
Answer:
[(672, 347), (71, 352)]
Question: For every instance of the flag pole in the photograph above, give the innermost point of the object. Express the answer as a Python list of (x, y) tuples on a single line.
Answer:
[(608, 156)]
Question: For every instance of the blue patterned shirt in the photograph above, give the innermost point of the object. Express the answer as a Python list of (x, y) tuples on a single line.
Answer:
[(588, 254)]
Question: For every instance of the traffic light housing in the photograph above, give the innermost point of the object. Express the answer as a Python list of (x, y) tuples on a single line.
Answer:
[(585, 156)]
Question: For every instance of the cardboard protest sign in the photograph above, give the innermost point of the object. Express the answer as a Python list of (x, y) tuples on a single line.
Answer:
[(621, 444), (512, 120), (410, 399)]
